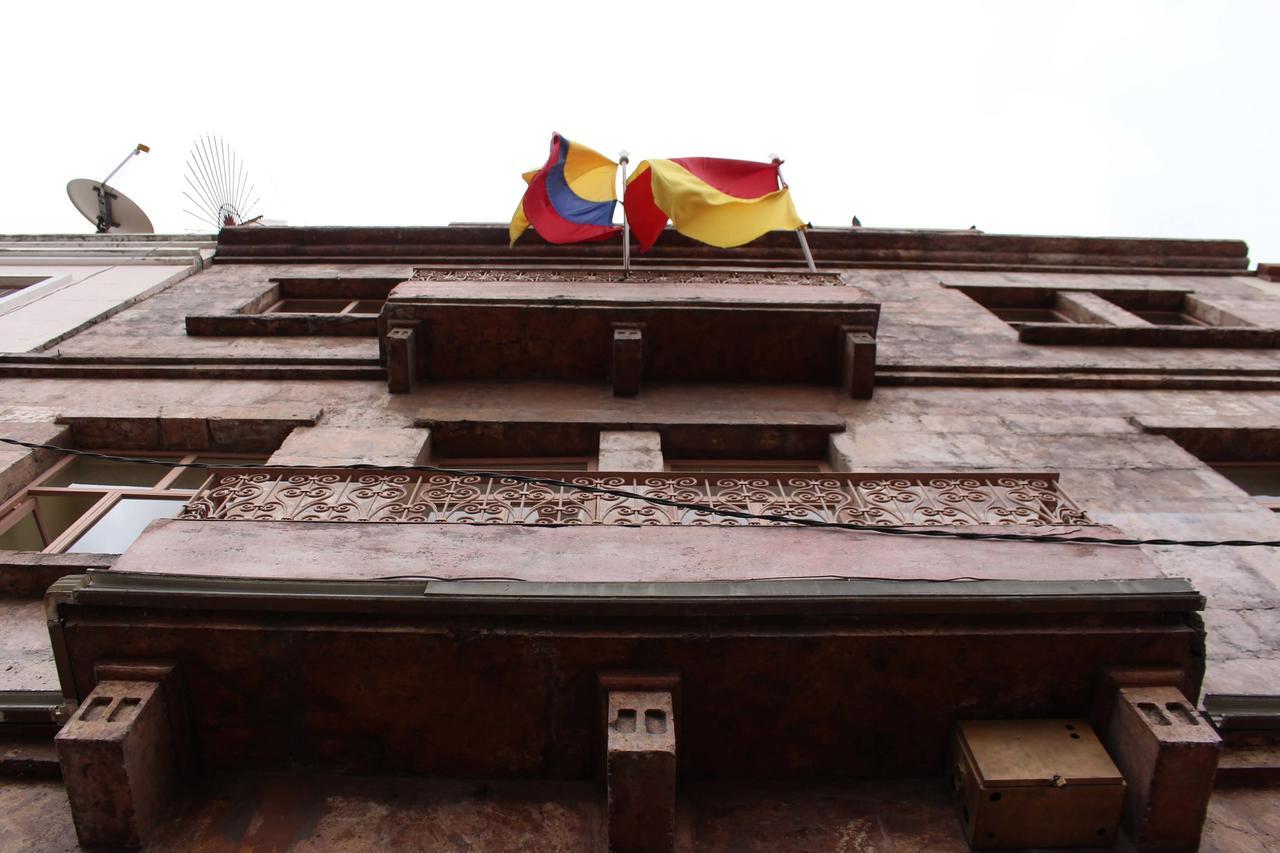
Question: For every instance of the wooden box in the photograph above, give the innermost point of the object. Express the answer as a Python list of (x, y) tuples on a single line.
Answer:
[(1035, 783)]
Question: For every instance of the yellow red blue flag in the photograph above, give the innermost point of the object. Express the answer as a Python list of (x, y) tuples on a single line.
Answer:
[(571, 198)]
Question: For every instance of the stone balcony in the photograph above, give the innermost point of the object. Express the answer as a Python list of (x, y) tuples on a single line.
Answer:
[(579, 329)]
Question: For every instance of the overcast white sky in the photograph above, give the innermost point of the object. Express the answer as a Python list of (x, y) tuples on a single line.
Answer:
[(1108, 118)]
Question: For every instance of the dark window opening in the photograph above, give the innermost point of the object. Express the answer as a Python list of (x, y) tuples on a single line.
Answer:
[(1018, 306), (1260, 479), (519, 464), (736, 466), (1168, 318), (326, 306), (1017, 316)]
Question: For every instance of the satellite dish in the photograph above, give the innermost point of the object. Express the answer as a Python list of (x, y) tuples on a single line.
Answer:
[(223, 194), (110, 211)]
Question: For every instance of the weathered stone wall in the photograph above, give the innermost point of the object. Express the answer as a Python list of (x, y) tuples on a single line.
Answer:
[(1142, 483)]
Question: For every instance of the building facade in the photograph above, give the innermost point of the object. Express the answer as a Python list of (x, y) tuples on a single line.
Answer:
[(544, 556)]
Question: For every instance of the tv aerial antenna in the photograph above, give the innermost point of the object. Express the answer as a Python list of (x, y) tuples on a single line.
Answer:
[(223, 193), (110, 211)]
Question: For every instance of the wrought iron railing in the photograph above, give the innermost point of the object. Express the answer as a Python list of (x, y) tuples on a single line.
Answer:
[(422, 497)]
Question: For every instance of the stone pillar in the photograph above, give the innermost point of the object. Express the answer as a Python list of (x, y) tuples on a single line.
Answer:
[(338, 446), (120, 763), (1169, 757), (840, 454), (858, 362), (630, 450), (402, 357), (640, 761)]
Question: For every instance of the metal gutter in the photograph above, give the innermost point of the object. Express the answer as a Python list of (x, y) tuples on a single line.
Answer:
[(804, 599)]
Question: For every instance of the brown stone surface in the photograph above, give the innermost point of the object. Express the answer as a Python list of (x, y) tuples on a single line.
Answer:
[(323, 445), (356, 814), (630, 450), (830, 246), (1087, 307), (282, 325), (401, 344), (1169, 756), (954, 417), (924, 323), (533, 331), (29, 573), (1224, 337), (19, 465), (118, 763), (858, 363), (640, 770), (285, 549), (26, 659), (241, 429), (535, 710), (1112, 679), (577, 432), (1144, 484), (28, 755), (626, 365)]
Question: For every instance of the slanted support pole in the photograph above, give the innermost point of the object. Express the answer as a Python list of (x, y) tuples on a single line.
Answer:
[(858, 362), (122, 753), (628, 359), (401, 356), (640, 763)]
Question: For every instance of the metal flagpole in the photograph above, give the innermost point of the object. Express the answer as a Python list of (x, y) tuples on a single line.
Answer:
[(804, 241), (624, 158)]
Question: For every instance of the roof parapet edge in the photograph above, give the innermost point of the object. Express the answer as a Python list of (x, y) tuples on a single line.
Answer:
[(847, 247)]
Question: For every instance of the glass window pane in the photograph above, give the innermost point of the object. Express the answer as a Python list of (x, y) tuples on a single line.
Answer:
[(23, 536), (58, 512), (84, 472), (193, 478), (1261, 481), (116, 530)]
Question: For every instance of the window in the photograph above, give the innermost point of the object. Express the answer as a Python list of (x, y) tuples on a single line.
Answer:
[(11, 284), (1155, 317), (1259, 479), (1018, 306), (87, 505), (323, 296), (325, 306), (1159, 307), (333, 305), (1017, 317)]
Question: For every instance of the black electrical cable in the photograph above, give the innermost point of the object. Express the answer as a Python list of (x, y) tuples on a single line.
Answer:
[(936, 532)]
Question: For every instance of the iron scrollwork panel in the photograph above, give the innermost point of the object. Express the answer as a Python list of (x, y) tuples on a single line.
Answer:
[(412, 497)]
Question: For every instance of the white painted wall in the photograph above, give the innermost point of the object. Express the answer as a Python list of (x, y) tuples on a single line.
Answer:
[(84, 282)]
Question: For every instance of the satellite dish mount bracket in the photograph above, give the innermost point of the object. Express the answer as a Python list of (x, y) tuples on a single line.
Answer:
[(105, 197)]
